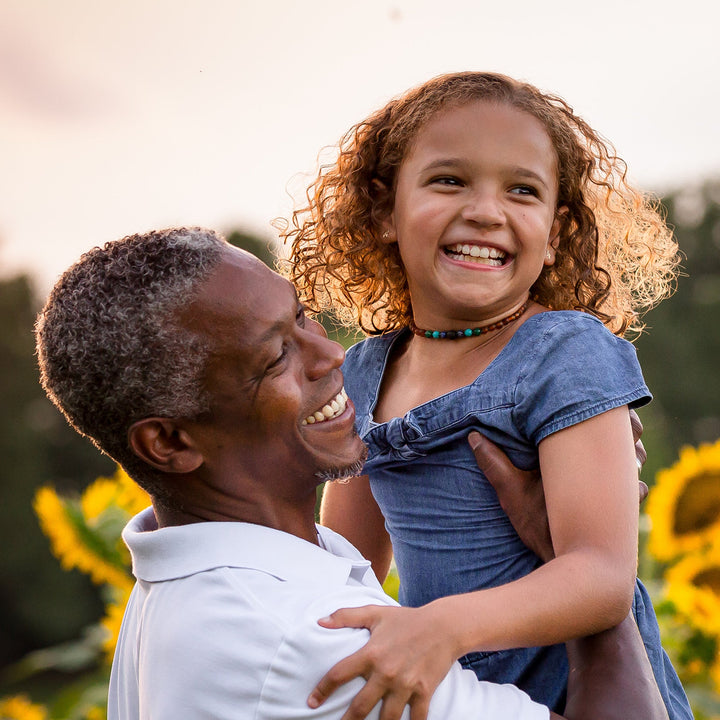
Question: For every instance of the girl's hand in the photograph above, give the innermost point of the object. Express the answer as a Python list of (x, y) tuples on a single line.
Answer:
[(408, 654)]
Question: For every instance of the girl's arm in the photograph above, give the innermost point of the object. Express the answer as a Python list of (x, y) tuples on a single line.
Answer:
[(349, 509), (590, 481)]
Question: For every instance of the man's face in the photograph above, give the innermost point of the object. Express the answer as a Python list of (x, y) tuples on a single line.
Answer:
[(277, 406)]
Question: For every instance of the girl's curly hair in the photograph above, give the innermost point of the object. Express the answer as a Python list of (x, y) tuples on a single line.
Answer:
[(616, 257)]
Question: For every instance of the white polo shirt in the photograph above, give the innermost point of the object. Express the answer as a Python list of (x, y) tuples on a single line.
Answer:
[(222, 623)]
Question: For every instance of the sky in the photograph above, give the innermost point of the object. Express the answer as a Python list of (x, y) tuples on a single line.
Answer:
[(122, 117)]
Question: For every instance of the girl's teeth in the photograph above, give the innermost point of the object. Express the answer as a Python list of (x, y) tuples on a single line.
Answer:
[(334, 408), (476, 252)]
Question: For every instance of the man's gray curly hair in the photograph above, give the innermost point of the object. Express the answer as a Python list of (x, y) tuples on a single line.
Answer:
[(109, 347)]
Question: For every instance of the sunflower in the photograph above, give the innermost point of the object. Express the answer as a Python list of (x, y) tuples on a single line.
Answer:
[(684, 505), (119, 490), (132, 497), (693, 585), (18, 707), (77, 543)]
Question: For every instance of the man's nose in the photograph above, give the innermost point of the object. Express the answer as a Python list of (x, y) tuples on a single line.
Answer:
[(321, 355)]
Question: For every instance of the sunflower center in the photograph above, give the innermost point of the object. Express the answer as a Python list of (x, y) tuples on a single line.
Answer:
[(708, 578), (698, 506)]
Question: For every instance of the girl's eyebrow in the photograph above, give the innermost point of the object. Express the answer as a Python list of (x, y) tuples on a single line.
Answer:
[(443, 162), (526, 172)]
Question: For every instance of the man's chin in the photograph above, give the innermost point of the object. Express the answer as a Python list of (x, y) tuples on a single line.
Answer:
[(343, 472)]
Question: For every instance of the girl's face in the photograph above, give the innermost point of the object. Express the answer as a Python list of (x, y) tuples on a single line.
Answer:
[(475, 214)]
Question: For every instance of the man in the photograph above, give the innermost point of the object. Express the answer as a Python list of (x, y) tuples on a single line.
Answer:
[(193, 365)]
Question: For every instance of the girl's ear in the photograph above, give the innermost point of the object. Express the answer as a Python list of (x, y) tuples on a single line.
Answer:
[(554, 238), (164, 445), (388, 235), (385, 221)]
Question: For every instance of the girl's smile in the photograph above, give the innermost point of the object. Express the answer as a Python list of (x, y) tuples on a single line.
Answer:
[(478, 254), (475, 213)]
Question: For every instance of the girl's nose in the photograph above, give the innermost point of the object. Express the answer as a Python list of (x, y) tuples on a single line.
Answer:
[(484, 208), (321, 355)]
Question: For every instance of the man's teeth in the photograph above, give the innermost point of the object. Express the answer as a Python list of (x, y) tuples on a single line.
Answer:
[(334, 408), (480, 254)]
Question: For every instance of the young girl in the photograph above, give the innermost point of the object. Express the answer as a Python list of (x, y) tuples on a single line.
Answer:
[(487, 236)]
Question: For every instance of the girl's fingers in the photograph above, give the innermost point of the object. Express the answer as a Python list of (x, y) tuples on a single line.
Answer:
[(361, 617), (350, 667)]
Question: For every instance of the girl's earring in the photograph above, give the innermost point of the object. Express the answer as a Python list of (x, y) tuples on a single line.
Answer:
[(548, 254), (386, 235)]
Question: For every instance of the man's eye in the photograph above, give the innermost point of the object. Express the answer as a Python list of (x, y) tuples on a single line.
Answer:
[(279, 359)]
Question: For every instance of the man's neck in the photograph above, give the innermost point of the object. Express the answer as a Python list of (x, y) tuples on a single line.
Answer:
[(293, 520)]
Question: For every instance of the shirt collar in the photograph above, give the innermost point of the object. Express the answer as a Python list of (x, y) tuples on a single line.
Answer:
[(169, 553)]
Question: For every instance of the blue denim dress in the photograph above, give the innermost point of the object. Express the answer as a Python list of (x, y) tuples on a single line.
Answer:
[(448, 531)]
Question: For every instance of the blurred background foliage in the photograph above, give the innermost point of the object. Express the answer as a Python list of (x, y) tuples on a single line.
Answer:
[(680, 350), (42, 606)]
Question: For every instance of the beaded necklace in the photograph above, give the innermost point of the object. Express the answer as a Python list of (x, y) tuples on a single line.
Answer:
[(469, 332)]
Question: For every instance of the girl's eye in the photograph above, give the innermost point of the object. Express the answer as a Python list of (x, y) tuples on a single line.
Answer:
[(524, 190), (446, 180)]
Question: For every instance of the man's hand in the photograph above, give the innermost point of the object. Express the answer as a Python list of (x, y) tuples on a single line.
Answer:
[(520, 492), (407, 655), (637, 430)]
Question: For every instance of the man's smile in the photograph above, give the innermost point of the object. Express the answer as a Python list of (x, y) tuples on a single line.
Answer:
[(330, 410)]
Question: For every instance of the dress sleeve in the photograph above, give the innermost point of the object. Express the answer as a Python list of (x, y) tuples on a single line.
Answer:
[(575, 369)]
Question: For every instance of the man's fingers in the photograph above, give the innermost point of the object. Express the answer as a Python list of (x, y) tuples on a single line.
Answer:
[(490, 459), (636, 425), (637, 431), (640, 454), (643, 491)]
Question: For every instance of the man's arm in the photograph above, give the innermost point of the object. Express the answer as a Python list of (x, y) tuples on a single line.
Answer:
[(611, 677)]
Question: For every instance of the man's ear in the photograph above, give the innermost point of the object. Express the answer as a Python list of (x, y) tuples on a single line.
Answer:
[(162, 444)]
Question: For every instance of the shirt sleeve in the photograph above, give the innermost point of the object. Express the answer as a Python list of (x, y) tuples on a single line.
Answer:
[(309, 652), (199, 658), (576, 369)]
